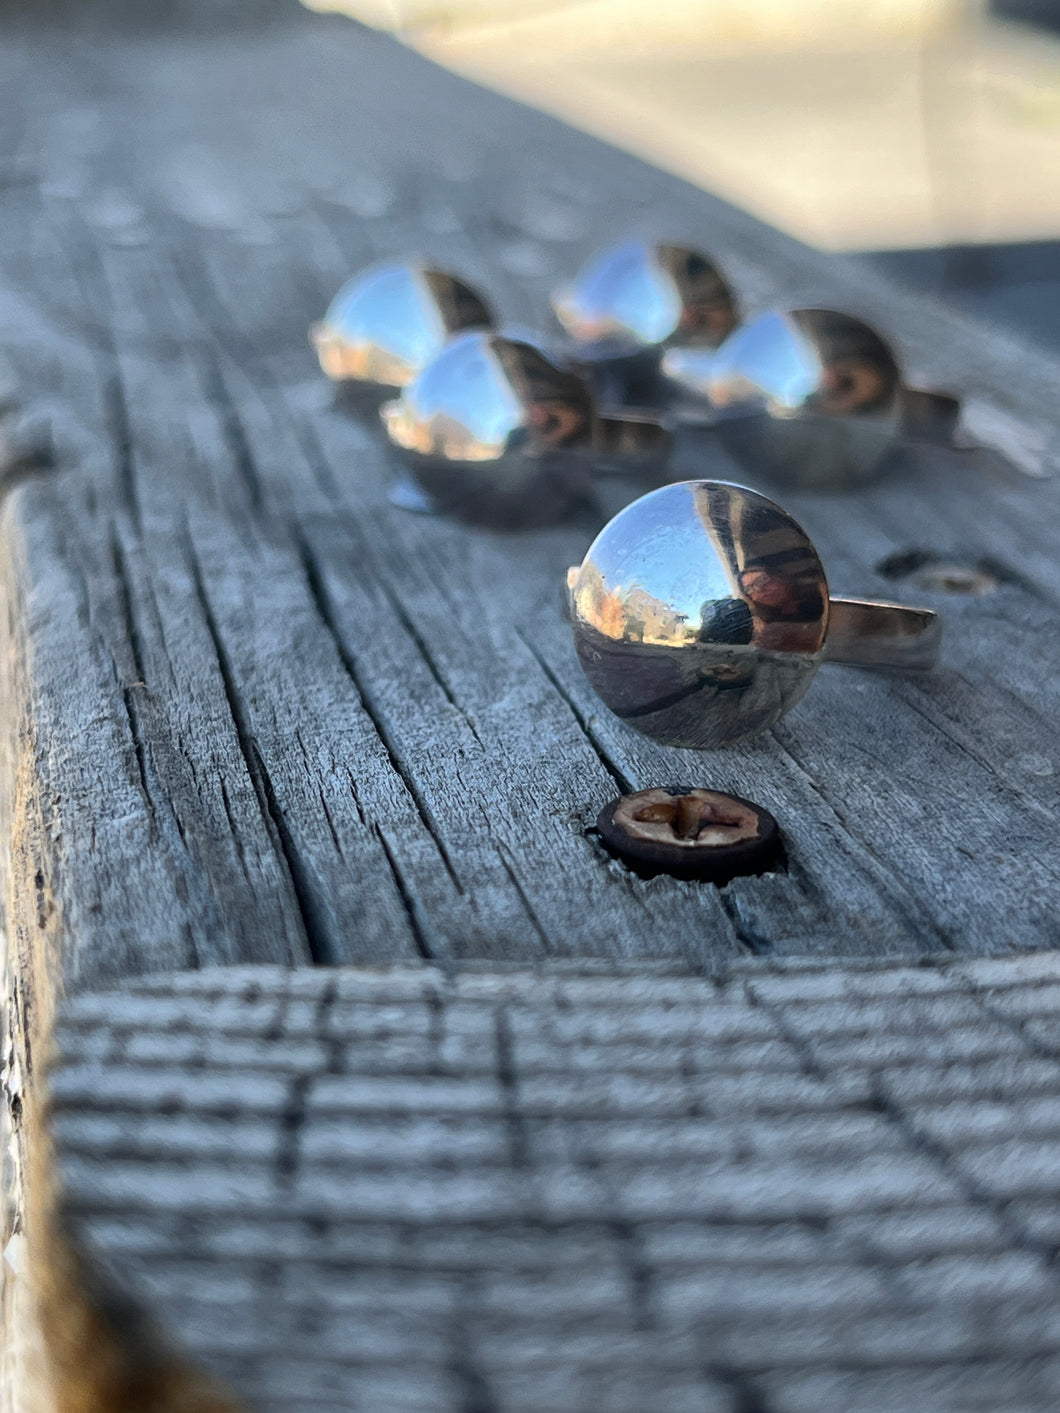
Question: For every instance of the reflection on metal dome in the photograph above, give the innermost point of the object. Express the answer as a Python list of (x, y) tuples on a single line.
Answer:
[(638, 295), (495, 431), (700, 613), (812, 395), (386, 324)]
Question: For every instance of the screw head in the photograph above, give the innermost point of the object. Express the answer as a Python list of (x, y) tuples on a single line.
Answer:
[(691, 832)]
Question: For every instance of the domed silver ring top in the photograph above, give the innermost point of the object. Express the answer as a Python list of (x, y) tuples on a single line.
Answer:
[(812, 395), (387, 323), (638, 295), (701, 613), (495, 430), (805, 360)]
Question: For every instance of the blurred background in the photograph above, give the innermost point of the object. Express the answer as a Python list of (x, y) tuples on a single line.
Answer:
[(924, 133)]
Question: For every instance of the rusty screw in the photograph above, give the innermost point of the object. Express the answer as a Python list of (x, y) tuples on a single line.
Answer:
[(690, 832)]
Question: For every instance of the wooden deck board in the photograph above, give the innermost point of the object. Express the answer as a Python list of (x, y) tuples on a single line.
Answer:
[(255, 715), (255, 673), (611, 1193)]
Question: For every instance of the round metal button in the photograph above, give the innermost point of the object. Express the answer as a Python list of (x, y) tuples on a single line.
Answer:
[(701, 613)]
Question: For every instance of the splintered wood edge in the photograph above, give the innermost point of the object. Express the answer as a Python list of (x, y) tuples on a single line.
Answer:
[(90, 1346), (71, 1342)]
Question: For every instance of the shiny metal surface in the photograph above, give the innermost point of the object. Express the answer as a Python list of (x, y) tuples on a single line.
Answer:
[(386, 324), (496, 431), (701, 614), (864, 633), (638, 294), (807, 360), (812, 396)]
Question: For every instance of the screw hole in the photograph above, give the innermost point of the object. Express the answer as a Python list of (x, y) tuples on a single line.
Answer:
[(938, 574)]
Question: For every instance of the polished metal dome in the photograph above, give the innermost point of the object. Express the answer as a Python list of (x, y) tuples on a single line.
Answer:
[(638, 295), (700, 613), (386, 324), (495, 431), (811, 395)]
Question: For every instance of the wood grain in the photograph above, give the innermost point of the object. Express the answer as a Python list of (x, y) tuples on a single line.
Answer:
[(810, 1187), (254, 716), (271, 718)]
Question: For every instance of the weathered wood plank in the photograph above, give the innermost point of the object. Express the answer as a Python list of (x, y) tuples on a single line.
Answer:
[(271, 718), (536, 1191), (253, 714)]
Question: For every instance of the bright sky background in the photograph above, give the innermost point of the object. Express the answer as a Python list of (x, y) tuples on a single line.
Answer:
[(880, 124)]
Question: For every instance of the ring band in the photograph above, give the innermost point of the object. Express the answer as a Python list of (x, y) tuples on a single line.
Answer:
[(865, 633)]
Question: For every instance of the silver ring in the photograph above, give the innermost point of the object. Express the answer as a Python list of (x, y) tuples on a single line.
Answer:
[(810, 395), (701, 613), (639, 295), (630, 301), (497, 431), (388, 322)]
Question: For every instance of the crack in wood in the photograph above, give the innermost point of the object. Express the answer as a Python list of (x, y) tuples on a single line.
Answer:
[(624, 784), (473, 1389), (292, 1122), (757, 944), (314, 927), (507, 1077), (233, 827), (978, 1195), (916, 921), (120, 430), (420, 644), (746, 1396), (232, 430), (539, 927), (325, 609), (318, 928), (413, 911), (125, 603), (140, 753)]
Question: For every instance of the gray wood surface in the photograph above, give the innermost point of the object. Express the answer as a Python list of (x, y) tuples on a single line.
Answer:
[(273, 719), (812, 1188), (254, 715)]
